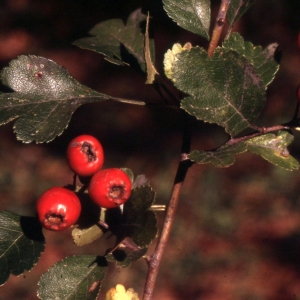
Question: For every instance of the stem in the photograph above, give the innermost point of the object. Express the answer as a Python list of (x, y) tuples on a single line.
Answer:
[(261, 131), (219, 24), (155, 260)]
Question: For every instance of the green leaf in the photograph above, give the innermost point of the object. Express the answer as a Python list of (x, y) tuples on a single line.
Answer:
[(224, 89), (144, 229), (221, 158), (75, 277), (236, 9), (142, 197), (141, 222), (269, 146), (192, 15), (45, 97), (21, 244), (109, 35), (273, 148), (262, 60)]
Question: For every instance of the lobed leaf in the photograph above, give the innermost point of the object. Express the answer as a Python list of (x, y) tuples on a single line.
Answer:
[(262, 59), (144, 228), (75, 277), (236, 9), (224, 89), (221, 158), (140, 221), (192, 15), (108, 36), (273, 148), (44, 98), (21, 244)]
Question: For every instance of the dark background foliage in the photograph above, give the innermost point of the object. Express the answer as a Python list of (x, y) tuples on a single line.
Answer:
[(237, 232)]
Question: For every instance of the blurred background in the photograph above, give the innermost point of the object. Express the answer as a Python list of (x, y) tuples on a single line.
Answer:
[(237, 231)]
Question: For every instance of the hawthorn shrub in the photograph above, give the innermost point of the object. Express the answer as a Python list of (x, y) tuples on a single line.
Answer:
[(222, 82)]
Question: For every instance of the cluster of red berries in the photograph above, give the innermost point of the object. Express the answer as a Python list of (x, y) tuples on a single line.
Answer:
[(59, 208)]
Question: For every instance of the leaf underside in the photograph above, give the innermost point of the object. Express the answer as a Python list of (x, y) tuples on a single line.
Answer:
[(108, 36)]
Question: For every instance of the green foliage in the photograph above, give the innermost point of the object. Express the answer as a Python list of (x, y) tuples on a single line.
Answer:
[(269, 146), (21, 244), (225, 89), (141, 222), (107, 38), (273, 147), (75, 277), (190, 15), (44, 98), (221, 158), (262, 60)]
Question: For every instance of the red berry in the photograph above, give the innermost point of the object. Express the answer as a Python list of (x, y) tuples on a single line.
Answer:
[(85, 155), (110, 188), (58, 208)]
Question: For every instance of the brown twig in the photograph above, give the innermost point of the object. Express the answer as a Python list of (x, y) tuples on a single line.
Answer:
[(155, 260), (219, 25)]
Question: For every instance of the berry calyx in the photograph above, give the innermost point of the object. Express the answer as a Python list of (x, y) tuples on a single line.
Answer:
[(85, 155), (58, 208), (110, 188)]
